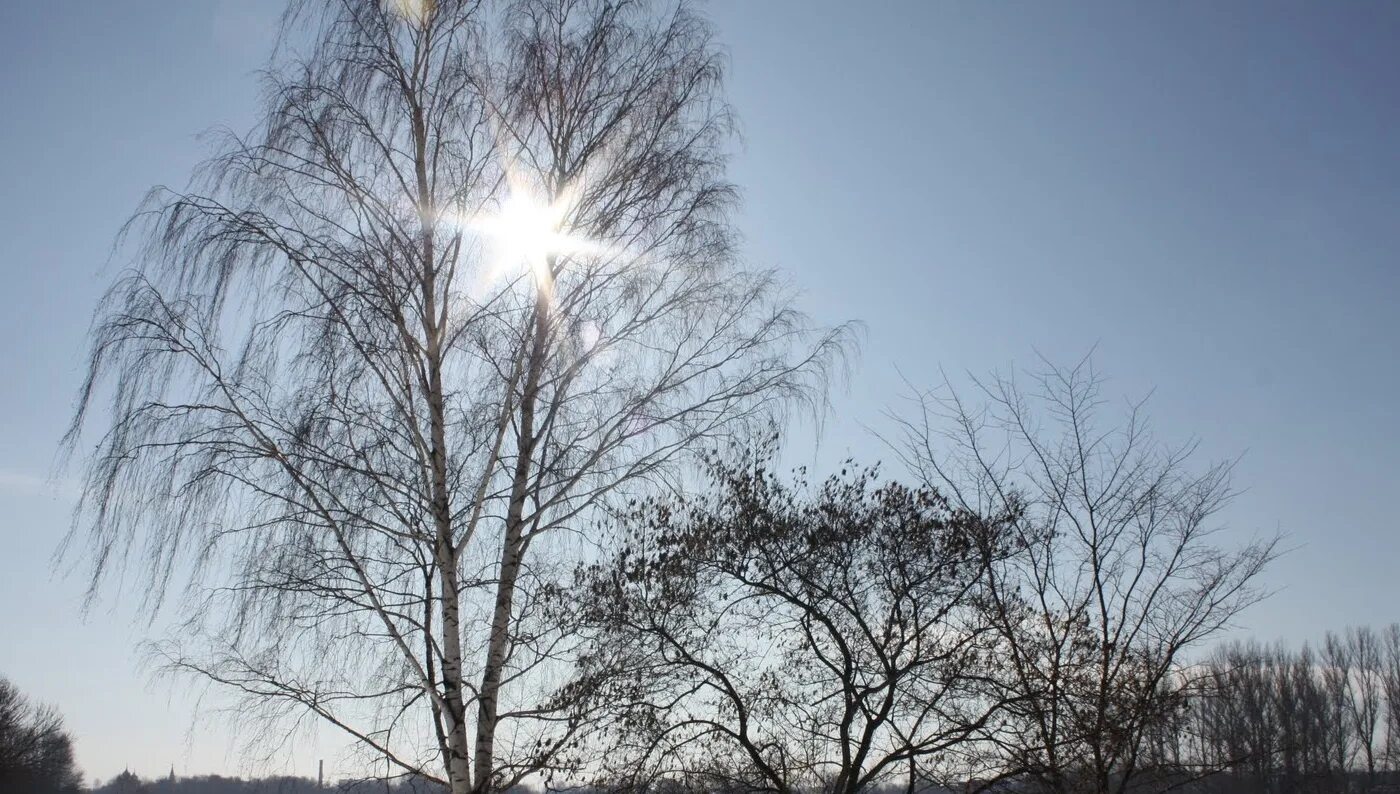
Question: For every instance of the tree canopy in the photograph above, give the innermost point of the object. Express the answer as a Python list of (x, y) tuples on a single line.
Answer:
[(36, 752)]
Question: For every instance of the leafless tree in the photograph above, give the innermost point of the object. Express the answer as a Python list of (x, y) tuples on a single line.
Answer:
[(1124, 574), (1336, 675), (788, 638), (1365, 695), (1352, 692), (1244, 731), (36, 752), (369, 378), (1320, 731)]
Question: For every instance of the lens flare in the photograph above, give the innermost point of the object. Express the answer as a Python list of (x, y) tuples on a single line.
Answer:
[(528, 231)]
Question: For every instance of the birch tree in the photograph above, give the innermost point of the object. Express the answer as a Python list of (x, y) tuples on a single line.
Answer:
[(369, 378)]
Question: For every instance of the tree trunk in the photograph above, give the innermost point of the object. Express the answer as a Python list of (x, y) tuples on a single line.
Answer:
[(512, 554)]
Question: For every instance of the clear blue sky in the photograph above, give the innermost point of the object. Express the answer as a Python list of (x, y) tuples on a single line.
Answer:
[(1210, 192)]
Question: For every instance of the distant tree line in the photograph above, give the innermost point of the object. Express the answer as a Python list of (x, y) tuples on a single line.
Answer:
[(129, 783), (1316, 719)]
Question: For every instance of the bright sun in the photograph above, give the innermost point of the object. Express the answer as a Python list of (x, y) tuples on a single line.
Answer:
[(526, 231)]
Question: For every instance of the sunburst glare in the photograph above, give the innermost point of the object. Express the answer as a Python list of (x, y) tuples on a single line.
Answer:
[(526, 230)]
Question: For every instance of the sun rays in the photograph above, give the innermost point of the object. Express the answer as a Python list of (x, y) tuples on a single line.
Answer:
[(529, 231)]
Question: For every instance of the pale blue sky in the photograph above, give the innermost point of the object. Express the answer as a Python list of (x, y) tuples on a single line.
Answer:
[(1210, 192)]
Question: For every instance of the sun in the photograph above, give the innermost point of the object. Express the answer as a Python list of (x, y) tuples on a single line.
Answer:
[(527, 231)]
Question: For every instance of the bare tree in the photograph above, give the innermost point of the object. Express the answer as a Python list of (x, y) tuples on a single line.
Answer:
[(1244, 729), (1366, 694), (1305, 703), (36, 752), (1336, 674), (1123, 575), (370, 377), (788, 638)]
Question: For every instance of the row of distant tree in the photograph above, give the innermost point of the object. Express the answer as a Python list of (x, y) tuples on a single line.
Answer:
[(1324, 719), (130, 783)]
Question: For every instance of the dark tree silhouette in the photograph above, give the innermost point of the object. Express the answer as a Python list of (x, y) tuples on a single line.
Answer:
[(36, 753), (130, 783), (787, 638)]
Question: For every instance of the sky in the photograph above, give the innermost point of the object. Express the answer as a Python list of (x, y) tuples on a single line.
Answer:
[(1205, 194)]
